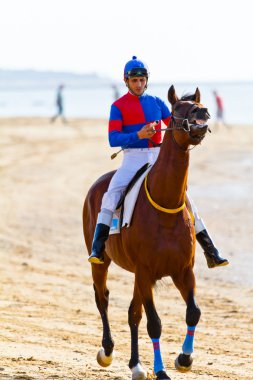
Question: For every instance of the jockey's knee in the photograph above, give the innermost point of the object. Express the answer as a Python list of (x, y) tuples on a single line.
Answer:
[(105, 217), (110, 200)]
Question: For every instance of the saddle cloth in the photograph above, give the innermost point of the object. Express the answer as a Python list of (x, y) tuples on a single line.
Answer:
[(128, 206)]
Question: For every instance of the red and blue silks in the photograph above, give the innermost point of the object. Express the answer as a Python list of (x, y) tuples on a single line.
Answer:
[(130, 113)]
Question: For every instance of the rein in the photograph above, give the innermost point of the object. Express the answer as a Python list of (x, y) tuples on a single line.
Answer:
[(185, 125), (157, 206)]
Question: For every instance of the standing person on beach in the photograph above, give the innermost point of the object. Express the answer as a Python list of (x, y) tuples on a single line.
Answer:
[(59, 105), (132, 126), (219, 109), (116, 94)]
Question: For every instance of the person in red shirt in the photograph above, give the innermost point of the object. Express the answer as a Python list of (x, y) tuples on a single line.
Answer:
[(219, 109)]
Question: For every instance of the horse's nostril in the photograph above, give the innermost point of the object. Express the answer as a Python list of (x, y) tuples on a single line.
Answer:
[(202, 114)]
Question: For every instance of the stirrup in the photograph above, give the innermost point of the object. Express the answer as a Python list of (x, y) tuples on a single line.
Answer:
[(95, 259)]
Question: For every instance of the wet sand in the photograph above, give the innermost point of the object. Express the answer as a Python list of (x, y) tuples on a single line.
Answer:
[(50, 327)]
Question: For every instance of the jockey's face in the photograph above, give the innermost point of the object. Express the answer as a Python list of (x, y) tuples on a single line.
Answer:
[(136, 85)]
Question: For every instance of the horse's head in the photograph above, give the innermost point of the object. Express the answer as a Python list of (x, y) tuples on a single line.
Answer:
[(189, 118)]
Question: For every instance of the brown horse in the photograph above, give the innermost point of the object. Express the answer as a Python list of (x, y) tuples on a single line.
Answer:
[(160, 241)]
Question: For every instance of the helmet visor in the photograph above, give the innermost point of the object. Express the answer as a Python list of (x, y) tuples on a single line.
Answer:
[(137, 72)]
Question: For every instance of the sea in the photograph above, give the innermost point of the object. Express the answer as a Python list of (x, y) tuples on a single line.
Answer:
[(33, 93)]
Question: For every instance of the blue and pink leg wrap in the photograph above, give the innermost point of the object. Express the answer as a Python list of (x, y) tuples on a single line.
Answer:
[(189, 341), (187, 348), (158, 362)]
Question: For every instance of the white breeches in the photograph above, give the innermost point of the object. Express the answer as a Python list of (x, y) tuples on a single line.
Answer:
[(133, 160), (198, 222)]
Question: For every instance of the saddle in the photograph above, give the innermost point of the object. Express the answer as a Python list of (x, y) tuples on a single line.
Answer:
[(124, 210)]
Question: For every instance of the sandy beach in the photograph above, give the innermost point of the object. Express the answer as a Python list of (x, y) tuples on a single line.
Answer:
[(50, 327)]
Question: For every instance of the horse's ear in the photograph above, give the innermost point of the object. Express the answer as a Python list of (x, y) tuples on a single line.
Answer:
[(197, 95), (172, 96)]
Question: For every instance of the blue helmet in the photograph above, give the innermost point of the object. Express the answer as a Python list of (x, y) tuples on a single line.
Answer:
[(135, 68)]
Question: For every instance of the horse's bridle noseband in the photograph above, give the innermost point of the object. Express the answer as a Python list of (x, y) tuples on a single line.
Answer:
[(183, 124)]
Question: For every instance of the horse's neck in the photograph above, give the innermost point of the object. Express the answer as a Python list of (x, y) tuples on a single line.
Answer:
[(168, 177)]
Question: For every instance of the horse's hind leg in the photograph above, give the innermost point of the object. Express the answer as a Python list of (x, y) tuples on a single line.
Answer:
[(134, 318), (185, 282), (154, 327), (99, 274)]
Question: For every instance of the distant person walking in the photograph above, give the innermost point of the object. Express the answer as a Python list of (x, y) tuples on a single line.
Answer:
[(59, 105), (116, 93), (219, 109)]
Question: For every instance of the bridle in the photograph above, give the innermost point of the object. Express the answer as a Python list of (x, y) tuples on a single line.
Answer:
[(184, 125)]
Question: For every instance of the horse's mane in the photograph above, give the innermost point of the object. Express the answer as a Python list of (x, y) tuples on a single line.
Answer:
[(188, 97)]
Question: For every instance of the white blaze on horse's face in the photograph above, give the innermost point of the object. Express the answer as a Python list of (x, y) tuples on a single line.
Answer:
[(136, 85)]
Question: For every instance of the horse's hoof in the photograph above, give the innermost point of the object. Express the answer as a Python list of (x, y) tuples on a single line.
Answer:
[(162, 375), (183, 363), (102, 359), (138, 373)]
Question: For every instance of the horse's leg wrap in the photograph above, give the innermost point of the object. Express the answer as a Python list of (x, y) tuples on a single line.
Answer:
[(192, 318), (188, 345), (158, 362), (154, 330), (154, 326)]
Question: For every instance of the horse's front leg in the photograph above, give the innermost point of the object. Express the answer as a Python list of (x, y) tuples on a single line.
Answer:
[(186, 285), (99, 274), (154, 326), (134, 318)]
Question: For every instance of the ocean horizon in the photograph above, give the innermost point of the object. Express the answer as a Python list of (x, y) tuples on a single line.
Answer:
[(31, 93)]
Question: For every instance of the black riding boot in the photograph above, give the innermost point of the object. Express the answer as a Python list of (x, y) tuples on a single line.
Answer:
[(210, 251), (98, 245)]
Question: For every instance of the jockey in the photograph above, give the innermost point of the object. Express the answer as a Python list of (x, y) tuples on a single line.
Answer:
[(132, 127)]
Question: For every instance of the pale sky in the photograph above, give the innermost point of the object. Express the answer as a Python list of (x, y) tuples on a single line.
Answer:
[(180, 40)]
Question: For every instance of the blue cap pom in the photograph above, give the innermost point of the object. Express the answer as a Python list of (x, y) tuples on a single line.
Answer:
[(135, 67)]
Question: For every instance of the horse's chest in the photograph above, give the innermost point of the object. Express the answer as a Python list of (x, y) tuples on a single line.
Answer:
[(170, 222)]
